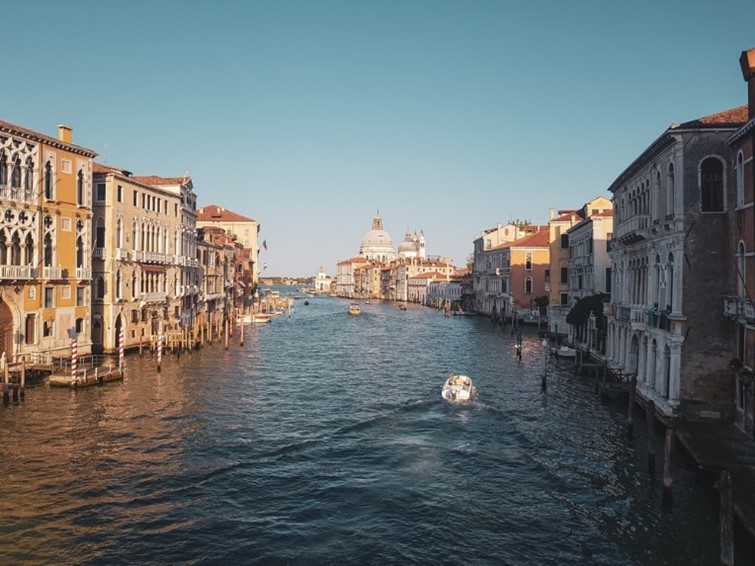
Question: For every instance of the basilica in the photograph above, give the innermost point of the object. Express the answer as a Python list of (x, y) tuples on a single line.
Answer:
[(377, 244)]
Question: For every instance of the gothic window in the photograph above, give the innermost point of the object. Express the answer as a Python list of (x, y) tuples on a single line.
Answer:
[(15, 249), (711, 185), (134, 236), (29, 250), (528, 261), (528, 285), (119, 234), (48, 259), (79, 251), (100, 291), (134, 290), (15, 178), (29, 179), (3, 249), (80, 188), (3, 169), (740, 179), (99, 234), (118, 283), (48, 181), (31, 324)]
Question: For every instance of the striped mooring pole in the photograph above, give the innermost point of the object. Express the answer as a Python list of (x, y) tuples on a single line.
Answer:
[(74, 361), (120, 350), (159, 349)]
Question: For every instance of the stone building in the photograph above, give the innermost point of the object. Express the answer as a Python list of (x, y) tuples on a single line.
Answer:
[(738, 304), (670, 262), (45, 242), (245, 229), (377, 244)]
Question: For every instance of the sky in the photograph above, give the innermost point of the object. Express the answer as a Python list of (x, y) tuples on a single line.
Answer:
[(311, 116)]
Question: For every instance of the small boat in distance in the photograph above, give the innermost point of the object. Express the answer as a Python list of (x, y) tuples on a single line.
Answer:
[(564, 352), (354, 308), (458, 388), (402, 306), (306, 302)]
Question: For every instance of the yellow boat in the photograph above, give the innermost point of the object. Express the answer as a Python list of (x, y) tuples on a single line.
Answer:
[(354, 309)]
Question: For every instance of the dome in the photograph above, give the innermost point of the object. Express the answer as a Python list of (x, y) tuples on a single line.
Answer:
[(377, 243)]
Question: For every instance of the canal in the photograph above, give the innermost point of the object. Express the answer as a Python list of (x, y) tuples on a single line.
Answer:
[(324, 440)]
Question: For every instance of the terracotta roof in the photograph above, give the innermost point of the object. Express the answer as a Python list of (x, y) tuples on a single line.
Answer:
[(154, 180), (102, 168), (567, 216), (15, 129), (608, 212), (537, 240), (215, 213), (734, 117)]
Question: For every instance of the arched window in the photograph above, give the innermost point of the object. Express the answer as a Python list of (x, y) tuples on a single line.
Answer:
[(3, 249), (15, 177), (100, 291), (119, 234), (741, 272), (528, 285), (670, 281), (134, 289), (48, 181), (29, 250), (118, 283), (671, 186), (711, 185), (99, 234), (80, 188), (48, 259), (740, 179), (3, 169), (15, 249), (135, 237), (528, 261), (79, 251), (29, 179)]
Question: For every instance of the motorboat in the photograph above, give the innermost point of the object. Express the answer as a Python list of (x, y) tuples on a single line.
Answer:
[(261, 318), (354, 309), (564, 352), (458, 388), (306, 302)]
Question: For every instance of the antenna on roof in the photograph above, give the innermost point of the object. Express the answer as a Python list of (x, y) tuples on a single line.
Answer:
[(104, 154)]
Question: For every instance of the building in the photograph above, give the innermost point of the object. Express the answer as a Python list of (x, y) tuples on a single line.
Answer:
[(738, 304), (45, 243), (671, 262), (322, 282), (245, 229), (377, 244), (413, 245)]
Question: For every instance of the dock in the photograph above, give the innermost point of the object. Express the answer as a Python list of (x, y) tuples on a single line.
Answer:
[(90, 370)]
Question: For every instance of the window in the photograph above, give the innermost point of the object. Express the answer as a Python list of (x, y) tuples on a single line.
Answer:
[(48, 181), (528, 261), (49, 297), (80, 188), (79, 325), (564, 275), (564, 299), (3, 169), (528, 285), (711, 185), (47, 328), (120, 193), (547, 275), (99, 234), (136, 198), (100, 287), (100, 192), (65, 293), (29, 180), (608, 280), (80, 296), (15, 176), (31, 325), (564, 241), (134, 316)]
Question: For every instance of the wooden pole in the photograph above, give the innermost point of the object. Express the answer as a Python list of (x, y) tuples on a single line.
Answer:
[(241, 334), (650, 419), (159, 350), (630, 408), (225, 332), (726, 518), (668, 480), (23, 378)]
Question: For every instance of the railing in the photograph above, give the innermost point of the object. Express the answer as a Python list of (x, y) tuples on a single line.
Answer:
[(18, 272), (83, 273), (152, 298), (17, 194), (739, 307), (121, 254), (52, 273), (98, 253), (636, 226)]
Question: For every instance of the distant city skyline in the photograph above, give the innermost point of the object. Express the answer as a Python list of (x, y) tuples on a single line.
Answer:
[(308, 117)]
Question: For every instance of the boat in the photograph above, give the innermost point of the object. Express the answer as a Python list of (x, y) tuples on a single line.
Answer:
[(261, 318), (564, 352), (354, 308), (458, 388), (402, 306), (306, 302)]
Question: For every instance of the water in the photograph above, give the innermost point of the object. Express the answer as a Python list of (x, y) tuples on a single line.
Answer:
[(324, 440)]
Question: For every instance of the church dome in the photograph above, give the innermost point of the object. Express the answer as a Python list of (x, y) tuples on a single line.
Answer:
[(377, 243), (408, 247)]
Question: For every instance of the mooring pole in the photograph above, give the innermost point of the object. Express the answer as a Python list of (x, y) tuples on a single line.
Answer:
[(650, 419), (668, 480), (630, 408), (726, 518)]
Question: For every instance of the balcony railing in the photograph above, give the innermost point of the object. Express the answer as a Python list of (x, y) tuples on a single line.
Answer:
[(98, 253), (19, 272), (52, 273), (633, 229), (84, 273), (121, 254), (739, 307), (16, 194)]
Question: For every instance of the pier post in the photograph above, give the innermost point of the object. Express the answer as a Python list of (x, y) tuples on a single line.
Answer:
[(225, 331), (241, 334), (159, 350), (668, 479), (23, 378), (543, 382), (726, 518), (630, 408), (650, 419), (120, 350)]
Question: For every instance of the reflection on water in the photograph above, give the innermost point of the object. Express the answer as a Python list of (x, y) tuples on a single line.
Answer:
[(324, 440)]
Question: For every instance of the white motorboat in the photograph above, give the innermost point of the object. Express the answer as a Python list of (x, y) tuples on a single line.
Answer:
[(564, 352), (458, 388)]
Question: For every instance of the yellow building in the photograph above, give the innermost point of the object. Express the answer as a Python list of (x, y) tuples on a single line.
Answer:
[(45, 243)]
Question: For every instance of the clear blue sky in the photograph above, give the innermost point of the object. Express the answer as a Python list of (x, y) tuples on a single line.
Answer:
[(309, 116)]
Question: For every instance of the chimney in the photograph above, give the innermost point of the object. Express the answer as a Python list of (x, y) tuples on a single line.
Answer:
[(65, 133), (747, 63)]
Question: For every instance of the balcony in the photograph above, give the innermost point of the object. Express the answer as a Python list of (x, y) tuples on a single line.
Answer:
[(84, 273), (17, 194), (52, 273), (98, 253), (18, 272), (632, 230), (153, 298), (121, 254), (739, 308)]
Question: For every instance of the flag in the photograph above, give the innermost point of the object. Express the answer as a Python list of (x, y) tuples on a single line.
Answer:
[(264, 244)]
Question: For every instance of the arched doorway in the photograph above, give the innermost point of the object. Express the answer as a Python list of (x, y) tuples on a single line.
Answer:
[(118, 327), (97, 335), (6, 330)]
